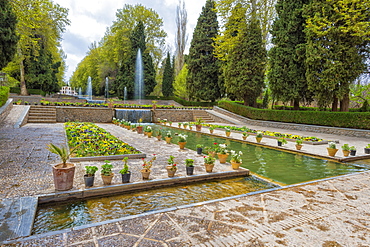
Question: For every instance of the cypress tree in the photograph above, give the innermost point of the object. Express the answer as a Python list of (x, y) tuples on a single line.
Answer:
[(203, 75), (168, 77), (287, 58), (8, 37)]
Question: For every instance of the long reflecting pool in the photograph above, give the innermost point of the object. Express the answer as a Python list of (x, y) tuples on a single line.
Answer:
[(62, 216), (282, 167)]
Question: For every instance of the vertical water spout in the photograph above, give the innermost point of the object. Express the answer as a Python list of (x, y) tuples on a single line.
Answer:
[(106, 88), (89, 89), (139, 77)]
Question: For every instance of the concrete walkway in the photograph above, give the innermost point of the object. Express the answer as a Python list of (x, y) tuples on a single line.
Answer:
[(333, 212)]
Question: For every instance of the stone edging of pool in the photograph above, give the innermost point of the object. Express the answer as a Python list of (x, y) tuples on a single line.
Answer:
[(130, 187), (345, 159), (171, 209)]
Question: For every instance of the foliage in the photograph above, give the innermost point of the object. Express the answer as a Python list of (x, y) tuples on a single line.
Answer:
[(91, 170), (356, 120), (182, 137), (282, 140), (199, 121), (94, 141), (352, 148), (125, 169), (209, 160), (4, 94), (287, 78), (168, 77), (236, 156), (147, 165), (203, 75), (345, 147), (299, 141), (171, 163), (169, 134), (106, 169), (8, 38), (189, 162), (62, 152), (222, 149), (332, 145), (179, 85), (338, 36)]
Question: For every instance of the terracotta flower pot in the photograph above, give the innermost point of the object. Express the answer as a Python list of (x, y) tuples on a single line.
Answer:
[(107, 180), (332, 151), (145, 174), (198, 127), (227, 134), (235, 165), (345, 153), (209, 167), (139, 129), (168, 139), (298, 147), (159, 138), (258, 139), (211, 131), (222, 158), (244, 137), (63, 177), (170, 172), (149, 134), (182, 145)]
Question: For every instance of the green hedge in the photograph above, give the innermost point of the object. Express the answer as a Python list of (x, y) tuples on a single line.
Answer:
[(305, 108), (17, 90), (356, 120), (182, 101), (4, 95)]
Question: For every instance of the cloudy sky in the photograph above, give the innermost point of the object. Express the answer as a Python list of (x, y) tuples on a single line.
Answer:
[(90, 19)]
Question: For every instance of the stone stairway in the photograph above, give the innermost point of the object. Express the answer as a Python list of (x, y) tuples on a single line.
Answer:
[(42, 114), (205, 116)]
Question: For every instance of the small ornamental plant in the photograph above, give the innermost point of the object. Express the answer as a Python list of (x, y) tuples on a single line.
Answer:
[(222, 149), (259, 134), (182, 137), (209, 160), (345, 147), (148, 129), (171, 163), (189, 162), (283, 141), (299, 141), (332, 145), (91, 170), (125, 166), (106, 168), (245, 134), (148, 164), (227, 129), (168, 134), (352, 148), (212, 127), (236, 156), (199, 146), (199, 121)]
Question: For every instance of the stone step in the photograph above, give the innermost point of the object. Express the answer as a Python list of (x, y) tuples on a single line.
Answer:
[(16, 217), (42, 114), (41, 121), (41, 117)]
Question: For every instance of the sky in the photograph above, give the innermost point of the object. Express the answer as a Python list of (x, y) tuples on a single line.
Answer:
[(91, 18)]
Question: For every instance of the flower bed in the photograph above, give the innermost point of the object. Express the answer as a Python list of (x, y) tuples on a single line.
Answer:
[(95, 141)]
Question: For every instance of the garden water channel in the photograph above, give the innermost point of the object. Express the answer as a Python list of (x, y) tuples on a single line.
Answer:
[(281, 167)]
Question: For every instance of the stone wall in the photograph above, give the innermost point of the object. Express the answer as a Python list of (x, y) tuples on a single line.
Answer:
[(174, 115), (5, 109), (84, 114), (300, 127)]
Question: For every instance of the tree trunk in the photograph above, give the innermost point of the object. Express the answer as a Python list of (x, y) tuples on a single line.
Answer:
[(334, 106), (296, 105), (246, 101), (344, 103), (24, 91)]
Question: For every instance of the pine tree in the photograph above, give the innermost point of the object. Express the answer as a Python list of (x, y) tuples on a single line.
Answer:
[(168, 77), (203, 75), (8, 37), (245, 68), (287, 58)]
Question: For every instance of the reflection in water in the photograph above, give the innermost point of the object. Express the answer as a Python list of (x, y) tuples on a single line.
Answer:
[(61, 216)]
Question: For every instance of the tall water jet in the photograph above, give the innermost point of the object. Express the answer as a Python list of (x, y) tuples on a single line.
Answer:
[(106, 88), (89, 89), (139, 77), (125, 95)]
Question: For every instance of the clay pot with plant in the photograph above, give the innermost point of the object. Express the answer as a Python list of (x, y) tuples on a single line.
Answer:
[(236, 159), (245, 135), (198, 124), (90, 175), (209, 163), (211, 129), (298, 144), (259, 137), (332, 149), (227, 131), (106, 172), (64, 172), (345, 149), (171, 167), (125, 173), (189, 163), (168, 137)]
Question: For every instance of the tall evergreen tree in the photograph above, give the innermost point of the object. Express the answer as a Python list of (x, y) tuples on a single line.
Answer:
[(338, 36), (168, 77), (203, 76), (126, 76), (287, 58), (245, 67), (8, 37)]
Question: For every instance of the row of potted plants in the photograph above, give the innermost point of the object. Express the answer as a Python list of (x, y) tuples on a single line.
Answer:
[(346, 149)]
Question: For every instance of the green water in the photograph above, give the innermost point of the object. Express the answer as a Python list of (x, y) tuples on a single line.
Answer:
[(282, 167), (67, 215)]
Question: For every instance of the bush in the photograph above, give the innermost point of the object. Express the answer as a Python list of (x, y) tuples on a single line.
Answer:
[(17, 90), (182, 101), (4, 95), (357, 120)]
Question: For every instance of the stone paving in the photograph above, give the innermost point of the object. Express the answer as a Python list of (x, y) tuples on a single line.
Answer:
[(332, 212)]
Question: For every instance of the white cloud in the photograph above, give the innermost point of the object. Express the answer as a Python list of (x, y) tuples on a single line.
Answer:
[(91, 18)]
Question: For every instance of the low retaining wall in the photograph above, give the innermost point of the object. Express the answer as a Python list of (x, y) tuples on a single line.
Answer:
[(5, 109), (300, 127), (174, 115), (84, 114)]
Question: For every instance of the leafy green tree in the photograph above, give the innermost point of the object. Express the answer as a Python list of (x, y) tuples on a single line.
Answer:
[(338, 36), (203, 76), (181, 35), (287, 57), (168, 76), (8, 38), (245, 67), (179, 85)]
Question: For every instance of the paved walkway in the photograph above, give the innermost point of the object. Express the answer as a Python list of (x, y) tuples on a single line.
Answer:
[(333, 212)]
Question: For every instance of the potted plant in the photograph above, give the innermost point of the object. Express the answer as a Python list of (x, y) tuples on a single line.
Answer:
[(159, 135), (168, 137), (170, 123), (190, 126), (352, 150), (179, 125), (198, 124), (245, 135), (298, 144), (147, 165), (199, 148), (90, 175), (227, 131), (182, 140), (185, 124), (149, 131), (236, 159), (345, 150), (171, 167), (259, 136), (209, 163), (211, 129), (139, 128), (64, 172), (222, 153), (125, 173), (332, 149), (367, 149), (133, 127), (189, 163), (106, 172), (281, 141)]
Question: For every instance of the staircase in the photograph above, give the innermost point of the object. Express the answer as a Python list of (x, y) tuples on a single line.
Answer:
[(205, 116), (42, 114)]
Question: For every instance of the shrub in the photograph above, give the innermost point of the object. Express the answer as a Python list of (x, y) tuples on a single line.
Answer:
[(4, 94)]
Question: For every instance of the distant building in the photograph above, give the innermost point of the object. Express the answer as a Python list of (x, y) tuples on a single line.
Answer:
[(68, 91)]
